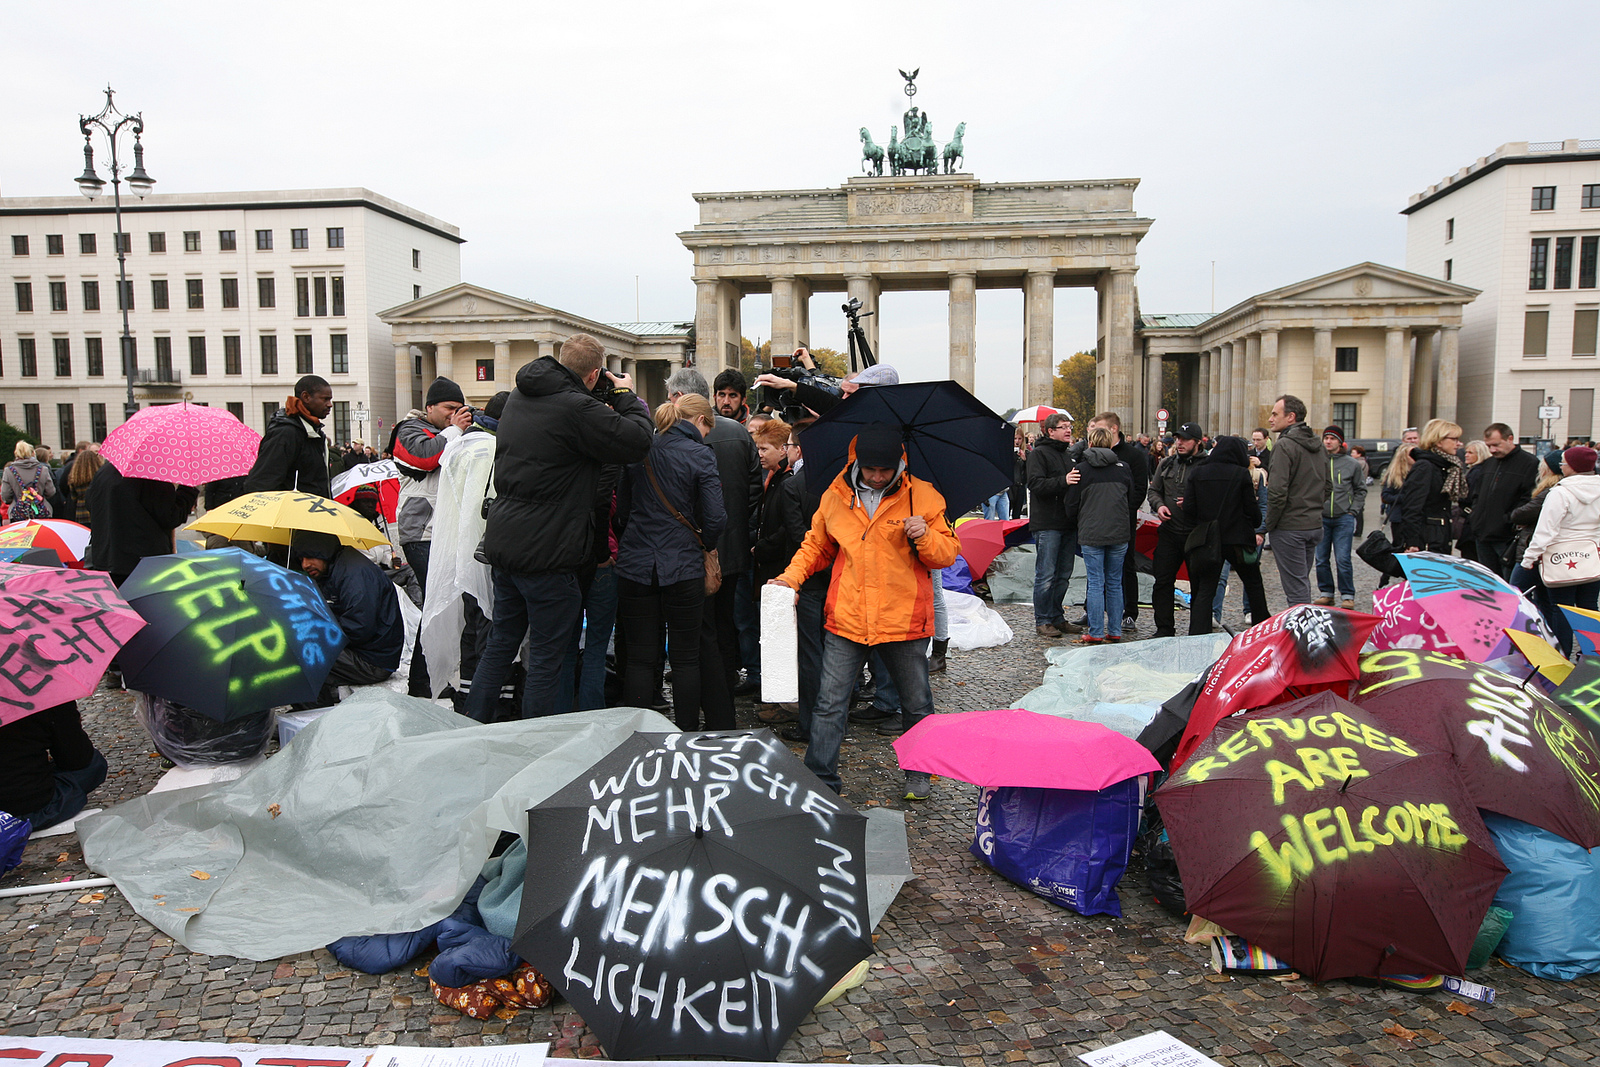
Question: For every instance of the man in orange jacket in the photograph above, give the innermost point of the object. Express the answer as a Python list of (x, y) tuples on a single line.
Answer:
[(883, 530)]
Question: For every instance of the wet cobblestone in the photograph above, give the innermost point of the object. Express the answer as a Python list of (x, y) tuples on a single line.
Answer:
[(970, 969)]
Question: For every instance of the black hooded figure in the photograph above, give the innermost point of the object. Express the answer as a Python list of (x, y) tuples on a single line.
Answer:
[(1220, 491)]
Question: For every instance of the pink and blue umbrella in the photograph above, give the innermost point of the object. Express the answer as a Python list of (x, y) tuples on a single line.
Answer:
[(1468, 602)]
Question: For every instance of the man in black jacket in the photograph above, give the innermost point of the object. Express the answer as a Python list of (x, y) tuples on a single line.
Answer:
[(131, 518), (1166, 498), (365, 602), (739, 470), (554, 437), (1055, 547), (1506, 484), (293, 453)]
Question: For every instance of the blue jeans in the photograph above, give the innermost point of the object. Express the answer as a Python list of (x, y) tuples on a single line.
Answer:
[(998, 506), (1055, 551), (1337, 534), (1222, 592), (546, 608), (941, 614), (581, 685), (1104, 566), (744, 621), (907, 663), (809, 609), (72, 793), (886, 695)]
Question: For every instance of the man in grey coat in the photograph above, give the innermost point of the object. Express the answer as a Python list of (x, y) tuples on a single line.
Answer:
[(1297, 487)]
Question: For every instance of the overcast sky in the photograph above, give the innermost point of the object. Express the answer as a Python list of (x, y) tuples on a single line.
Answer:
[(1277, 140)]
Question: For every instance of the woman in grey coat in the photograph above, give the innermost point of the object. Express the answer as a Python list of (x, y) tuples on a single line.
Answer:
[(23, 473), (1097, 504)]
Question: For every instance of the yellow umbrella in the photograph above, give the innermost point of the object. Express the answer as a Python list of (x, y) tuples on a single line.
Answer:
[(1551, 663), (275, 517)]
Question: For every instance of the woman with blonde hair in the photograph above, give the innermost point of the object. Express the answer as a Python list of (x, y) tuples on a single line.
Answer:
[(1436, 483), (671, 504), (27, 481)]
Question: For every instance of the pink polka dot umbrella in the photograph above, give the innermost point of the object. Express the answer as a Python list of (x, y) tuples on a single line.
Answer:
[(184, 443)]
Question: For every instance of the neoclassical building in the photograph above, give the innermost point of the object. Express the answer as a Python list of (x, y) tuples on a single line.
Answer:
[(479, 338), (1371, 348)]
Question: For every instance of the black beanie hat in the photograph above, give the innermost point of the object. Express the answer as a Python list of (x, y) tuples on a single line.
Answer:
[(441, 390), (878, 446), (1334, 431), (316, 544)]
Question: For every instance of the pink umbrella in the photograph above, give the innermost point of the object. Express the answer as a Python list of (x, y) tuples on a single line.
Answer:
[(61, 629), (184, 443), (1417, 624), (1011, 746)]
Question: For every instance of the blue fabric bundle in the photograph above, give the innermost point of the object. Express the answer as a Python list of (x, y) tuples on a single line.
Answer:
[(468, 952)]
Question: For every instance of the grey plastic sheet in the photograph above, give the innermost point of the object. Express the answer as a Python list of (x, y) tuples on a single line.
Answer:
[(1122, 685), (376, 819), (1011, 579)]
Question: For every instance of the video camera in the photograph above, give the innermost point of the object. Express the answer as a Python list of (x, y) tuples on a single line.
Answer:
[(783, 401)]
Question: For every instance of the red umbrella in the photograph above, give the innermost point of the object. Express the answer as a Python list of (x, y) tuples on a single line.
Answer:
[(1316, 833), (984, 539), (1300, 651), (1519, 753)]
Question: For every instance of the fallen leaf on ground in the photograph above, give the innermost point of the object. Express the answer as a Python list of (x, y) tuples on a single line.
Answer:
[(63, 857), (188, 909), (202, 875), (1395, 1030), (274, 810), (158, 896), (1460, 1008)]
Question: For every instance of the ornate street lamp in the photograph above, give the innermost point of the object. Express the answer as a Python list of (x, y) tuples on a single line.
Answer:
[(112, 122)]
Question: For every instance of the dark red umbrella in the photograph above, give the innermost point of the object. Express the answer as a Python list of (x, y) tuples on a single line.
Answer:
[(984, 539), (1519, 753), (1300, 651), (1314, 832)]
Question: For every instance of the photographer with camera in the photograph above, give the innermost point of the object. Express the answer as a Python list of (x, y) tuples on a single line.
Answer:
[(418, 444), (555, 437), (790, 388)]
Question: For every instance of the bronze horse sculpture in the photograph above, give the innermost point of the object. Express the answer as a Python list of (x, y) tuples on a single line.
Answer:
[(953, 151), (871, 155)]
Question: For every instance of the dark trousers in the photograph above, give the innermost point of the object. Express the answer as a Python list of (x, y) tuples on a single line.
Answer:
[(351, 668), (746, 620), (1168, 558), (544, 607), (1130, 580), (724, 608), (644, 609), (809, 612), (1203, 589), (1586, 595), (71, 795), (1489, 553), (719, 665), (416, 553)]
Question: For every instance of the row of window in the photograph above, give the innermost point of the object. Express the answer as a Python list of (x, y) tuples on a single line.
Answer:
[(1585, 333), (227, 241), (67, 422), (199, 357), (1544, 197), (1540, 274), (315, 295)]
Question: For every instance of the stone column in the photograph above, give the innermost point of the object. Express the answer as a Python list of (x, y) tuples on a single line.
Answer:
[(1202, 413), (865, 288), (1121, 393), (1449, 371), (1267, 391), (504, 373), (614, 364), (1238, 410), (444, 363), (1153, 376), (402, 381), (708, 320), (548, 348), (783, 335), (1319, 405), (1423, 369), (802, 312), (1249, 387), (1219, 374), (1394, 381), (1227, 385), (963, 330), (1039, 303)]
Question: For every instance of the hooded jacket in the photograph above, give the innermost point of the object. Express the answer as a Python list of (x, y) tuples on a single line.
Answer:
[(1347, 486), (364, 600), (293, 454), (1098, 505), (1221, 490), (881, 590), (1571, 510), (1047, 470), (657, 549), (554, 438), (1297, 485)]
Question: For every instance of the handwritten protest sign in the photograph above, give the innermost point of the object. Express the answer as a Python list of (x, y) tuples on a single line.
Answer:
[(695, 894)]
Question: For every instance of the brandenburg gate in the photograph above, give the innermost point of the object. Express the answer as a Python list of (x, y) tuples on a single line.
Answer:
[(926, 231)]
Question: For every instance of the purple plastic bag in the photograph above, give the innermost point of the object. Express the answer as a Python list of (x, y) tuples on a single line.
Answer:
[(13, 839), (1070, 846)]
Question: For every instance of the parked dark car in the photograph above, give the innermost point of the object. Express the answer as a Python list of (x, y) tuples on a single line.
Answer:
[(1380, 450)]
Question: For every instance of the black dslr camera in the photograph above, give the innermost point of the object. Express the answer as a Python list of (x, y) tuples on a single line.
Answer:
[(782, 401), (604, 388)]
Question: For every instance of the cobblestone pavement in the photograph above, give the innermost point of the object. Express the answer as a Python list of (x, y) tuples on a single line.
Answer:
[(970, 969)]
